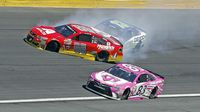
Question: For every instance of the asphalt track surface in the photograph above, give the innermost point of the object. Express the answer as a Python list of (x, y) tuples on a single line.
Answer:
[(173, 50)]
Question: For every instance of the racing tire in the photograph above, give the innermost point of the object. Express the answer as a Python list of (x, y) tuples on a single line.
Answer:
[(102, 56), (53, 46), (153, 93), (125, 95)]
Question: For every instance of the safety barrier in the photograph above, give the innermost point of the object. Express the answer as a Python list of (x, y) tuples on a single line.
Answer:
[(103, 3), (75, 3)]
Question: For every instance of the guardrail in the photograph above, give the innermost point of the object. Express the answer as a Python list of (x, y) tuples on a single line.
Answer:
[(75, 3), (102, 3)]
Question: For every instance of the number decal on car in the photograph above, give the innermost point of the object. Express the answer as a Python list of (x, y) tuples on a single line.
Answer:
[(133, 68), (137, 39), (141, 90)]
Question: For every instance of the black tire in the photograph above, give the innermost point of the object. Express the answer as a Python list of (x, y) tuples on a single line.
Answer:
[(125, 95), (102, 56), (53, 46), (153, 93)]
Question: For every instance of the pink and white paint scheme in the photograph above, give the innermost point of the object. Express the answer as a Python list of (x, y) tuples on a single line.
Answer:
[(126, 81)]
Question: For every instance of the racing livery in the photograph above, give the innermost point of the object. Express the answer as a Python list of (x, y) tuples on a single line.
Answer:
[(129, 35), (78, 40), (125, 81)]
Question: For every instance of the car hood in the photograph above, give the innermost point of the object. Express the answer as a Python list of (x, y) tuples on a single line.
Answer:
[(109, 79), (46, 31)]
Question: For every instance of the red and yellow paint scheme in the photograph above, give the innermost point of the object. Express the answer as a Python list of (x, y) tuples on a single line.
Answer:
[(77, 40)]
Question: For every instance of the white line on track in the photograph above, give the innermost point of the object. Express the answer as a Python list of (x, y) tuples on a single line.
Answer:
[(84, 98), (179, 95)]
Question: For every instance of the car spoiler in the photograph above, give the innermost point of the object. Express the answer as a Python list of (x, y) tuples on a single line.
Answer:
[(156, 74)]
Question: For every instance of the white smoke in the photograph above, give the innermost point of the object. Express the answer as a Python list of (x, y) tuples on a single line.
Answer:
[(166, 29)]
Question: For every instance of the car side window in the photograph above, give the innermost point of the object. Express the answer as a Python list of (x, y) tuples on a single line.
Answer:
[(83, 38), (145, 78), (150, 77), (142, 78), (99, 41)]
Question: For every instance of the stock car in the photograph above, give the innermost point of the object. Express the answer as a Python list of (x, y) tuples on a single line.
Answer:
[(130, 36), (125, 81), (78, 40)]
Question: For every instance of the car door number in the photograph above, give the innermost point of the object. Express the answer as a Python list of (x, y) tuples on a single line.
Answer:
[(141, 90), (80, 48)]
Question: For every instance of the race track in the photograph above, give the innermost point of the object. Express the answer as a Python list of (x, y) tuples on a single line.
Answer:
[(172, 49)]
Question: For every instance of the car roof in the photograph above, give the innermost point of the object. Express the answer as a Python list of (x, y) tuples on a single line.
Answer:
[(122, 25), (87, 29)]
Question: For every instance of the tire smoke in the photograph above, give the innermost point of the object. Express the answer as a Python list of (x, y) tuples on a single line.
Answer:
[(166, 30)]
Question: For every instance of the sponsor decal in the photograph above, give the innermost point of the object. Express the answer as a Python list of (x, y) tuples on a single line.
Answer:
[(67, 43), (109, 78), (137, 39), (104, 47), (45, 31), (39, 29)]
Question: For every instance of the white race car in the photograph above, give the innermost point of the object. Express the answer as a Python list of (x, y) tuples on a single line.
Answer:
[(129, 35)]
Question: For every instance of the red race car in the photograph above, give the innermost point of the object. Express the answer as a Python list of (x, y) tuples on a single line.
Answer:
[(78, 40)]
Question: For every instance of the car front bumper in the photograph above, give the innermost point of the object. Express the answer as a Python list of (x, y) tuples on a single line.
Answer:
[(101, 89), (31, 41)]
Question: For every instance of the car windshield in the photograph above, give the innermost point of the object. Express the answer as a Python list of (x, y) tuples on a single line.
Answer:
[(119, 72), (64, 30)]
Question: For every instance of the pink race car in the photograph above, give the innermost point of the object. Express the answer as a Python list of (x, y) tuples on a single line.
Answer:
[(125, 81)]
